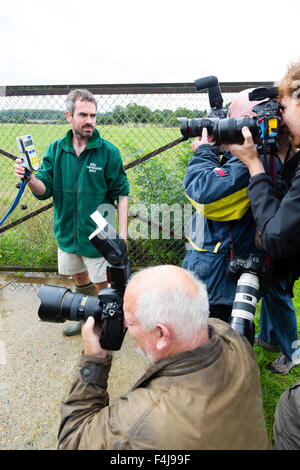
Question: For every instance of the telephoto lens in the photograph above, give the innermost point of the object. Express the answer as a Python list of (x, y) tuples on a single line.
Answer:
[(59, 304), (193, 127), (229, 130), (223, 131), (244, 306)]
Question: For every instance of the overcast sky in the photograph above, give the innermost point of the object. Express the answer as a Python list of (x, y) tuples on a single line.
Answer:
[(153, 41)]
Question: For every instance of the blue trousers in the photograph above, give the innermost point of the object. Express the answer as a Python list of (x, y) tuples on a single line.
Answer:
[(278, 320)]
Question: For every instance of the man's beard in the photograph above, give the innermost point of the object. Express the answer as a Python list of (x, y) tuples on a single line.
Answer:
[(85, 131), (146, 355)]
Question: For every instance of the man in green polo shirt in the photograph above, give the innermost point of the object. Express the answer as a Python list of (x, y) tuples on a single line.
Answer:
[(81, 171)]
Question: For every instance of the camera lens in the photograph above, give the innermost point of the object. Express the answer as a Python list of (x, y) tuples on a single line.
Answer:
[(224, 131), (60, 303), (229, 130), (194, 127), (244, 305)]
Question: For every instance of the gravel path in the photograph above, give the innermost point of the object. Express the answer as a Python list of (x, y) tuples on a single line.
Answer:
[(37, 364)]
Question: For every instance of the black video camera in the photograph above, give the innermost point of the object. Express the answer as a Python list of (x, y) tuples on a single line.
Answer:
[(60, 303), (264, 127)]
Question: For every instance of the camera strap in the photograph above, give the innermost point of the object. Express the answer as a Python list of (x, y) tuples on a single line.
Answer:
[(278, 187), (18, 197), (231, 243), (23, 183)]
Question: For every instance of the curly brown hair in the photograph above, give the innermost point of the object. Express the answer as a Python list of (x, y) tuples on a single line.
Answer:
[(290, 83)]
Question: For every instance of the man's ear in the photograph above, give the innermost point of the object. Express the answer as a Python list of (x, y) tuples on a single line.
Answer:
[(69, 117), (164, 337)]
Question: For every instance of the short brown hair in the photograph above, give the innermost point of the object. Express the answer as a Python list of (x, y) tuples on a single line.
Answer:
[(290, 82), (82, 95)]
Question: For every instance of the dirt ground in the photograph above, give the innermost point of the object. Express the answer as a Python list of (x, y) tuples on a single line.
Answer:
[(37, 364)]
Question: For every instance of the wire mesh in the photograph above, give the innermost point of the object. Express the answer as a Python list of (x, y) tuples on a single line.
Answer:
[(137, 124)]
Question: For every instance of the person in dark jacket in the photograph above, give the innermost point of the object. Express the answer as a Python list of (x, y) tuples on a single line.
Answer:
[(82, 172), (222, 225), (201, 391), (279, 223), (286, 427), (277, 219)]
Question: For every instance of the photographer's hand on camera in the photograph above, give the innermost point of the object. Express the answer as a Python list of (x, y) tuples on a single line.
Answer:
[(91, 339), (200, 140), (247, 153)]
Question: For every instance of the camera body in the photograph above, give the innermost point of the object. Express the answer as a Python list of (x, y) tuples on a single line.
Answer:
[(238, 266), (59, 304), (264, 127)]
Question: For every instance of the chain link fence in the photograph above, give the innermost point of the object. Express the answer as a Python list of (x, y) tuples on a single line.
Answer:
[(141, 120)]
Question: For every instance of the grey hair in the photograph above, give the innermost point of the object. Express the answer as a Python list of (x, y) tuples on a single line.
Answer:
[(186, 314), (82, 95)]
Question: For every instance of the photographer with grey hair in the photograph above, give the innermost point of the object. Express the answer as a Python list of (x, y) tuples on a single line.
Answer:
[(201, 391), (81, 171)]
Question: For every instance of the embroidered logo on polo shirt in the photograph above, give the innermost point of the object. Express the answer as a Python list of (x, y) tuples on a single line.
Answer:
[(220, 172), (92, 167)]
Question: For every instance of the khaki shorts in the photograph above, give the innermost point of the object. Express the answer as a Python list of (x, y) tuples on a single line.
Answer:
[(70, 264)]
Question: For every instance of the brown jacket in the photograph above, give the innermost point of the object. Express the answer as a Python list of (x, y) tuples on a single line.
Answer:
[(287, 419), (206, 398)]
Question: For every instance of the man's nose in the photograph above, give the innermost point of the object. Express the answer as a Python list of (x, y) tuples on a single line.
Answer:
[(89, 119)]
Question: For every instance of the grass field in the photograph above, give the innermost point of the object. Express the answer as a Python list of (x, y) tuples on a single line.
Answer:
[(272, 384), (145, 137)]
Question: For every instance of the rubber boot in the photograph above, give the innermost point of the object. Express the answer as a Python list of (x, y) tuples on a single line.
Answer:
[(74, 328)]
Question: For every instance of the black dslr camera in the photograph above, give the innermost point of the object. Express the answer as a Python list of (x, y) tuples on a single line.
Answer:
[(264, 127), (253, 264), (60, 303)]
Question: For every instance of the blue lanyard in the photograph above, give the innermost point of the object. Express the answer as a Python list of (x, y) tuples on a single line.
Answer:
[(18, 197)]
